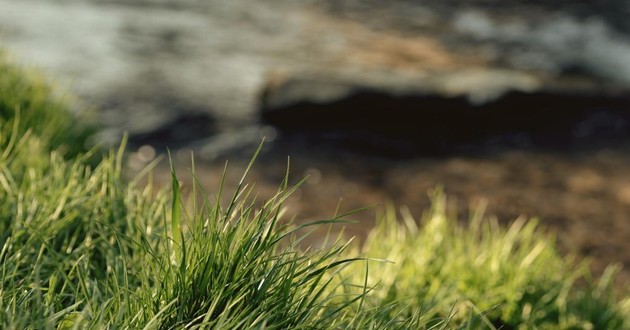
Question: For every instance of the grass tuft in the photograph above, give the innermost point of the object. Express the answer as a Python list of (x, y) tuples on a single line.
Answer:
[(239, 267)]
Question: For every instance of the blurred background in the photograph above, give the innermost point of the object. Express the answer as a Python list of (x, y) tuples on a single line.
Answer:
[(523, 105)]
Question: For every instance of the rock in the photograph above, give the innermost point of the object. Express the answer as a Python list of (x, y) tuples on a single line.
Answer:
[(158, 113), (446, 111), (180, 130)]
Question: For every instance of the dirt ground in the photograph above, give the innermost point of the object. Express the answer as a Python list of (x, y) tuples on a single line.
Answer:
[(581, 197)]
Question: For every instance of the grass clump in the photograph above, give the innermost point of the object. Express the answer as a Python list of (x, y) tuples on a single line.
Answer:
[(486, 276), (238, 266), (82, 249)]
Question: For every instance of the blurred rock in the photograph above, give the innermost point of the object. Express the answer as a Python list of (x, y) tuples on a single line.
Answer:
[(180, 130), (447, 111)]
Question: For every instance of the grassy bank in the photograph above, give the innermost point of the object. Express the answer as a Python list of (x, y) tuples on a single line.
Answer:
[(82, 248), (42, 110)]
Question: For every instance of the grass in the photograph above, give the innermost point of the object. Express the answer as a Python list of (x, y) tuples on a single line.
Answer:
[(42, 110), (484, 275), (82, 248)]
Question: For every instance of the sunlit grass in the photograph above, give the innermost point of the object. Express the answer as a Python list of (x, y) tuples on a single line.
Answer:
[(485, 275)]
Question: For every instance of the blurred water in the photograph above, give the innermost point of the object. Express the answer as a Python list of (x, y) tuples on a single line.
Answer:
[(213, 52), (555, 45)]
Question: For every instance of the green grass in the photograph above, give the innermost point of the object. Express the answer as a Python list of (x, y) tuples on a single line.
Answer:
[(42, 110), (82, 248), (485, 275)]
